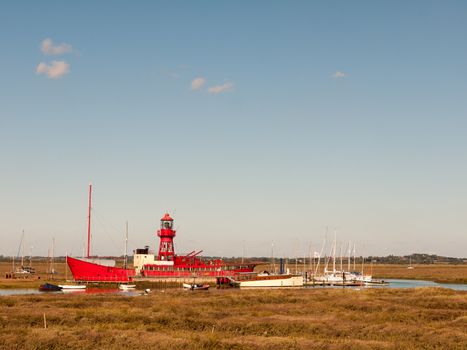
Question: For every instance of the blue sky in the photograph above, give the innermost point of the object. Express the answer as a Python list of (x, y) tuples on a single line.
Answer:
[(255, 121)]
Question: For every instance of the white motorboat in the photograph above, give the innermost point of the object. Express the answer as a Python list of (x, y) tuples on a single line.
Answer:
[(196, 286), (72, 286), (253, 280), (127, 286)]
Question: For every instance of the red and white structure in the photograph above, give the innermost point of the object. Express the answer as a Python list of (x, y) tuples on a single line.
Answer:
[(146, 264), (167, 264), (167, 234)]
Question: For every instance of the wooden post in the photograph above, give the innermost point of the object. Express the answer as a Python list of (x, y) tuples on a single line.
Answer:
[(45, 322)]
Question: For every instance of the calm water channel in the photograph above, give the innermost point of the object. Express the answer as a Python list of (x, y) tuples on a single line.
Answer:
[(393, 283), (416, 284)]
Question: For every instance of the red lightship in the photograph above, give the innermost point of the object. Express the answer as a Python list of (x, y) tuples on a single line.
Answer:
[(148, 265)]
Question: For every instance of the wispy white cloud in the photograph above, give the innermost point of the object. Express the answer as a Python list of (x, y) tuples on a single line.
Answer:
[(217, 89), (54, 70), (48, 48), (197, 83), (338, 74)]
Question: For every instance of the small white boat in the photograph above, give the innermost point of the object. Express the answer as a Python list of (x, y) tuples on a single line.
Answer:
[(196, 286), (127, 286), (72, 286)]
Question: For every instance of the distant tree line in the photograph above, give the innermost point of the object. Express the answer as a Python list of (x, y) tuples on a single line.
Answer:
[(417, 258)]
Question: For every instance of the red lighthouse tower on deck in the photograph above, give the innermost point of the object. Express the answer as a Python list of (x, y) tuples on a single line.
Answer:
[(166, 245)]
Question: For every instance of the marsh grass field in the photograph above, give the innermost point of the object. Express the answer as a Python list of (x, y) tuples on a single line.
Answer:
[(424, 318)]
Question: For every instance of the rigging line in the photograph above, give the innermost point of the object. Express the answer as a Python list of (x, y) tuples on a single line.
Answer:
[(109, 223), (104, 228)]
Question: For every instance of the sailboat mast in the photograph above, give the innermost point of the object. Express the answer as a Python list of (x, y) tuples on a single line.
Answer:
[(272, 258), (126, 245), (340, 256), (312, 260), (320, 254), (243, 251), (48, 262), (22, 252), (304, 263), (354, 256), (334, 254), (348, 261), (30, 256), (89, 221), (52, 267)]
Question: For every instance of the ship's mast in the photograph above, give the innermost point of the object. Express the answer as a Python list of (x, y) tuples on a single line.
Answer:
[(89, 221)]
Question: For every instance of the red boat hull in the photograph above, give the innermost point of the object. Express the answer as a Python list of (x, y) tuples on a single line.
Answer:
[(87, 271)]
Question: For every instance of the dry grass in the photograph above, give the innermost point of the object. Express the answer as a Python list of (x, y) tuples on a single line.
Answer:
[(239, 319), (438, 273)]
